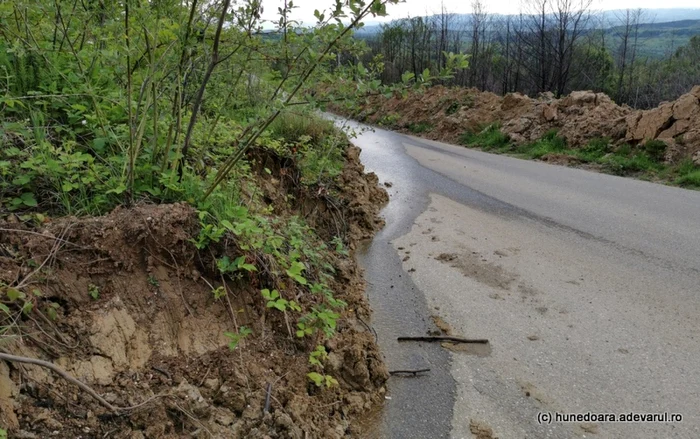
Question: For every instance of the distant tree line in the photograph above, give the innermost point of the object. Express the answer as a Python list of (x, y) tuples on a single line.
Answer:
[(553, 46)]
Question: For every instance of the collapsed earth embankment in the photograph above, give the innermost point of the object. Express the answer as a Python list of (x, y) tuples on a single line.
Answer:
[(129, 305)]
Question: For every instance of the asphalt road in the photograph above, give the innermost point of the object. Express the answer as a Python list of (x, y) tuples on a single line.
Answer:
[(586, 285)]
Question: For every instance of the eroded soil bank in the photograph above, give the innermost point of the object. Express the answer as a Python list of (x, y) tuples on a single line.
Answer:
[(124, 303), (445, 114)]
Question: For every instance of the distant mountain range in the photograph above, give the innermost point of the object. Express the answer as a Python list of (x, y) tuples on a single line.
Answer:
[(652, 16), (660, 39), (659, 15), (661, 33)]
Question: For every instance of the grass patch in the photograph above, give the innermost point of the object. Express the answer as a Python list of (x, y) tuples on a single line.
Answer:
[(687, 174), (639, 162), (594, 150), (299, 127), (627, 160), (315, 142), (644, 161), (489, 138), (550, 143), (691, 180)]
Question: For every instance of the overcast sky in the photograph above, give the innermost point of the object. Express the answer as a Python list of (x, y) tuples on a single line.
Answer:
[(305, 8)]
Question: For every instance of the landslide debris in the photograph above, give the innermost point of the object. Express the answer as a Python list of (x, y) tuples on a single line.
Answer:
[(445, 113), (124, 303)]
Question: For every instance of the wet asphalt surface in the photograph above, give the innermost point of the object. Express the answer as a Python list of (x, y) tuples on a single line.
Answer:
[(620, 332), (420, 407)]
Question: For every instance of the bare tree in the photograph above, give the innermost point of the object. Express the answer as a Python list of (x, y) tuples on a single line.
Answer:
[(442, 23), (534, 36), (570, 20), (626, 20), (552, 30), (479, 18)]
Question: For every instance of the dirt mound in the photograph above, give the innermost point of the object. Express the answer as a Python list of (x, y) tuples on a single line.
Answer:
[(442, 113), (127, 308), (675, 123), (579, 117), (360, 196)]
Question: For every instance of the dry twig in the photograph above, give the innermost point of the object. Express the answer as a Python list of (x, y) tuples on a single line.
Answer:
[(65, 375)]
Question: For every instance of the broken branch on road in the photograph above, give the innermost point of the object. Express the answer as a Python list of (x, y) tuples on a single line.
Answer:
[(440, 338), (413, 372)]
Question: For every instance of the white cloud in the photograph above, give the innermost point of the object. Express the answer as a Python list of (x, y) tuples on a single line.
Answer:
[(304, 10)]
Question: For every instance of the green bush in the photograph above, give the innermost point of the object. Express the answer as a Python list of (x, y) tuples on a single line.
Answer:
[(624, 150), (655, 149)]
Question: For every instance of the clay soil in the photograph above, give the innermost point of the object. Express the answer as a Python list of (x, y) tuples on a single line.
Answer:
[(445, 113), (154, 336)]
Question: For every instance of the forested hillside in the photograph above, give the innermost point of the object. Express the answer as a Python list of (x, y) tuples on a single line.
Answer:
[(551, 47)]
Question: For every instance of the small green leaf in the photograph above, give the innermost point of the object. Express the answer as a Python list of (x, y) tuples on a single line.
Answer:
[(27, 307), (117, 190), (22, 180), (228, 225), (28, 199), (224, 264), (14, 294), (316, 378)]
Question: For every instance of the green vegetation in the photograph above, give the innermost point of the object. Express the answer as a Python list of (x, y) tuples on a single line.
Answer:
[(489, 138), (645, 161), (237, 337), (107, 104), (94, 291), (453, 108), (623, 54), (655, 149), (686, 174), (322, 380), (638, 162), (301, 127), (690, 179), (455, 105), (658, 38), (550, 143), (389, 120)]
